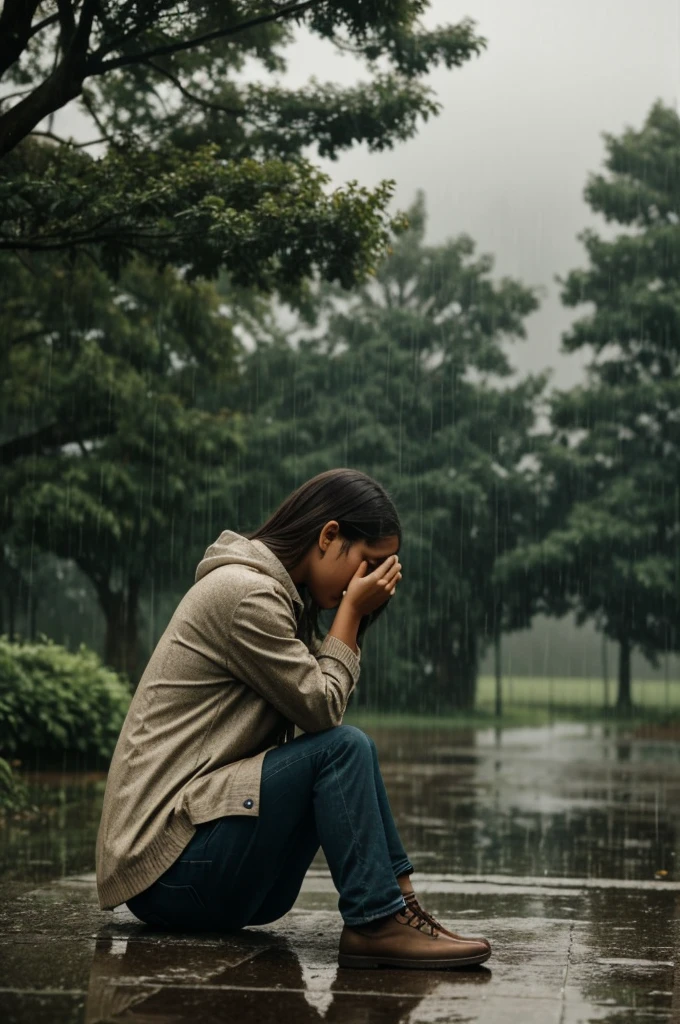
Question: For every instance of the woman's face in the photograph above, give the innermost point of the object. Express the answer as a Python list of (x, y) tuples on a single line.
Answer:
[(328, 571)]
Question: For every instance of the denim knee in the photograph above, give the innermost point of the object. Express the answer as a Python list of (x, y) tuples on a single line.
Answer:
[(362, 739), (371, 743), (351, 736)]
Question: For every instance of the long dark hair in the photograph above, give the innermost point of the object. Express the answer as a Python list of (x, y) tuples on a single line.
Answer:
[(363, 510)]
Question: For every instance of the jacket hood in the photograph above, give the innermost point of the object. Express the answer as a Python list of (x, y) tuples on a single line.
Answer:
[(233, 547)]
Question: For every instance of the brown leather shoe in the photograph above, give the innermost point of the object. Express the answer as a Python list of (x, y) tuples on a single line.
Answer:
[(406, 939), (411, 901)]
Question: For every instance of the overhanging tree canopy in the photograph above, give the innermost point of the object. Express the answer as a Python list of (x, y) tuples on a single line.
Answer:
[(201, 164)]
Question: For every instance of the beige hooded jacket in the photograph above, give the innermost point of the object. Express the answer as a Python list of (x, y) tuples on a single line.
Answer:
[(228, 681)]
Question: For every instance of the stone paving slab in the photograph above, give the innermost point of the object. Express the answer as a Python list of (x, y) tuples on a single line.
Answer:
[(560, 956)]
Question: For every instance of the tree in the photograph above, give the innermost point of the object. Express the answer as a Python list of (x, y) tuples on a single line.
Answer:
[(270, 225), (613, 546), (121, 472), (200, 168), (386, 386)]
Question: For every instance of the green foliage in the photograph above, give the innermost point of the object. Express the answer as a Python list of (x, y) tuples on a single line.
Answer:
[(270, 224), (608, 541), (56, 701), (13, 790), (110, 458)]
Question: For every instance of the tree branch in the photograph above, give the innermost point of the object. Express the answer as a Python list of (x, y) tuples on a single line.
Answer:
[(45, 23), (93, 142), (87, 103), (132, 239), (52, 436), (66, 81), (67, 23), (13, 95), (71, 142), (62, 85), (28, 335), (206, 104), (101, 67), (15, 30), (141, 26)]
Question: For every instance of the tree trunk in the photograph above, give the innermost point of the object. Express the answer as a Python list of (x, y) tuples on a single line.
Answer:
[(122, 638), (624, 702), (64, 83), (15, 30), (33, 615), (497, 668), (456, 675), (605, 671), (11, 615), (55, 92)]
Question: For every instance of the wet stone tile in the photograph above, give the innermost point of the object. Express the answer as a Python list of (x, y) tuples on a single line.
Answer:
[(585, 1013), (42, 1007), (558, 966), (45, 965), (217, 1007), (52, 910), (489, 1009)]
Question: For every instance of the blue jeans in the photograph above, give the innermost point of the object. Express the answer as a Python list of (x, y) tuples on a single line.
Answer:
[(321, 789)]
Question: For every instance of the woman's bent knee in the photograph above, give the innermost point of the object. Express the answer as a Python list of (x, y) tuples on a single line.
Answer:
[(354, 737)]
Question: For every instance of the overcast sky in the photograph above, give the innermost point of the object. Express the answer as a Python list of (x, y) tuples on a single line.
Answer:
[(508, 157)]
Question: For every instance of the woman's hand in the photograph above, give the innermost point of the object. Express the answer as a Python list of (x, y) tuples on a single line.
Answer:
[(367, 592)]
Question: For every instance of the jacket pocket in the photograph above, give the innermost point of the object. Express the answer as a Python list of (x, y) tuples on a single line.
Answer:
[(180, 895)]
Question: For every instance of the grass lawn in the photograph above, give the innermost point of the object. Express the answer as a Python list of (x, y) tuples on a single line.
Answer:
[(534, 691), (537, 701)]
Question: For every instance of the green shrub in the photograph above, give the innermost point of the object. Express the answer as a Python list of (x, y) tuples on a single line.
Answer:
[(57, 701)]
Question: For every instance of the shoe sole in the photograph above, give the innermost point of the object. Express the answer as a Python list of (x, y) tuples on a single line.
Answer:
[(344, 960)]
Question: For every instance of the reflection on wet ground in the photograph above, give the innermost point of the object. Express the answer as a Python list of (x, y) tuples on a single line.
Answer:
[(566, 801), (561, 801), (58, 838), (547, 841)]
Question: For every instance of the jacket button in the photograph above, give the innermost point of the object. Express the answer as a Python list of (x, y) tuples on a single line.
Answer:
[(248, 803)]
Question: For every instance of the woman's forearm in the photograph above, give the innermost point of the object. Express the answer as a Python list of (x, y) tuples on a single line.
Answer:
[(346, 624)]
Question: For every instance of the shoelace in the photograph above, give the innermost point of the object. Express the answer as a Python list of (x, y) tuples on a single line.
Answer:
[(416, 916), (412, 904)]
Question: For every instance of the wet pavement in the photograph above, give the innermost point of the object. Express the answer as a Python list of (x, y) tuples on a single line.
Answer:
[(557, 844)]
